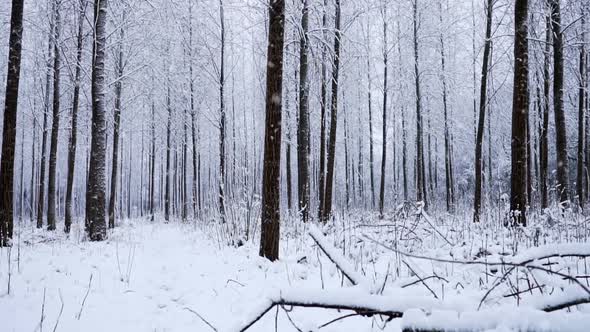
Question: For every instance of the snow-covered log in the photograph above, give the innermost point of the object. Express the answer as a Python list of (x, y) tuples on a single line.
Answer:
[(507, 319)]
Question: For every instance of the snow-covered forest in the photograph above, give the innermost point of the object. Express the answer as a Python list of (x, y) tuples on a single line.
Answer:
[(295, 165)]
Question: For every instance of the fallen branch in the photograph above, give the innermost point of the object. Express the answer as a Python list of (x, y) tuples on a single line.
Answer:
[(340, 262), (487, 320), (345, 299), (525, 260)]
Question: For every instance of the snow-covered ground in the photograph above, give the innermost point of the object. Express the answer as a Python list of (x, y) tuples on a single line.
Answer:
[(182, 277), (149, 277)]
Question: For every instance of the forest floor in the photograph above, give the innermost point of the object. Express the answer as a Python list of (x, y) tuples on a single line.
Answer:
[(183, 277)]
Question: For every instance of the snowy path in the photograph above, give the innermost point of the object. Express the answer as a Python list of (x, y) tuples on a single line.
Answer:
[(149, 278)]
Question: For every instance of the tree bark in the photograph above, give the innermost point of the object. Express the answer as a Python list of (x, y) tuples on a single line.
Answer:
[(96, 186), (9, 125), (43, 170), (544, 153), (562, 185), (323, 102), (196, 167), (420, 171), (448, 174), (51, 185), (370, 106), (271, 186), (167, 175), (153, 165), (222, 177), (581, 117), (116, 132), (74, 123), (520, 106), (303, 147), (384, 132), (333, 118), (483, 101)]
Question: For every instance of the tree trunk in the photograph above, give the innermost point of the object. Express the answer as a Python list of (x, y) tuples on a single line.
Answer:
[(333, 119), (271, 186), (33, 169), (303, 147), (289, 176), (116, 133), (141, 172), (153, 165), (96, 186), (346, 168), (323, 102), (544, 153), (520, 106), (51, 185), (483, 101), (562, 185), (167, 185), (370, 109), (420, 169), (581, 117), (42, 175), (403, 116), (384, 133), (74, 124), (129, 176), (9, 125), (448, 181), (222, 177), (196, 173)]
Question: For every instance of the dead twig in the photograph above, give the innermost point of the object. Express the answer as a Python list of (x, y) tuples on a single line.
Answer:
[(61, 310), (201, 318), (84, 300)]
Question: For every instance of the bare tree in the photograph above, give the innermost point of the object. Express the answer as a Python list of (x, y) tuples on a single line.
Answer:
[(323, 107), (420, 169), (483, 101), (116, 130), (271, 186), (96, 185), (42, 174), (581, 113), (74, 123), (327, 211), (562, 178), (222, 122), (9, 125), (384, 148), (51, 185), (449, 182), (520, 106), (544, 137), (303, 147)]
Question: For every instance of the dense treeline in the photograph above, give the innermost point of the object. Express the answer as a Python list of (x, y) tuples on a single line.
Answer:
[(240, 111)]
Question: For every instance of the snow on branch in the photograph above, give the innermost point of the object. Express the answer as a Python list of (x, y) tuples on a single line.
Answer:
[(426, 314), (507, 319), (349, 299), (580, 250), (332, 253), (569, 297)]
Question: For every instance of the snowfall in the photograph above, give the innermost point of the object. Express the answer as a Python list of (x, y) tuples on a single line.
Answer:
[(156, 276)]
